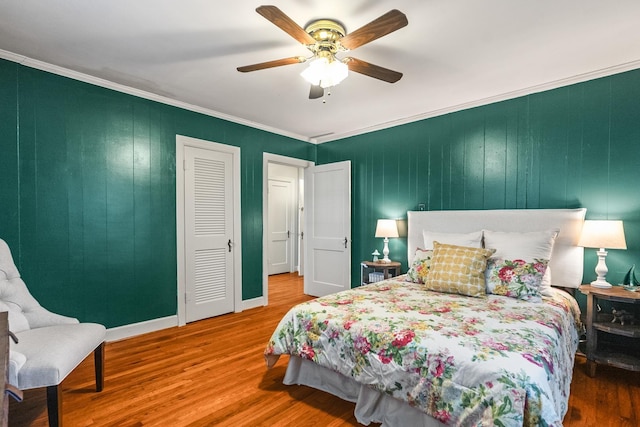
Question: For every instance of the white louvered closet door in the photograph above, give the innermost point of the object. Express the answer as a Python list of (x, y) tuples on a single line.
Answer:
[(209, 232)]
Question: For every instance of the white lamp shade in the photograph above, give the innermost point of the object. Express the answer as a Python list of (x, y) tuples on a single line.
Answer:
[(607, 234), (387, 228)]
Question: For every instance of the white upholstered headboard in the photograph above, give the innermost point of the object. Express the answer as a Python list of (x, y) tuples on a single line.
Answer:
[(567, 260)]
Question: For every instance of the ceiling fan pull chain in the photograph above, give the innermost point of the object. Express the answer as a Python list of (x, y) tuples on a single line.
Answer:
[(327, 93)]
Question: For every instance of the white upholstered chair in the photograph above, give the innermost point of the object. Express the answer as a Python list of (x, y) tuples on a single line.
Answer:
[(49, 345)]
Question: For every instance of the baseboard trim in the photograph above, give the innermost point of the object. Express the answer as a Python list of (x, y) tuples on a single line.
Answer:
[(252, 303), (128, 331)]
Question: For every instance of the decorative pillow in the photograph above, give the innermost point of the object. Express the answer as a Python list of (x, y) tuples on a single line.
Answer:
[(516, 278), (420, 266), (472, 240), (458, 269), (525, 246)]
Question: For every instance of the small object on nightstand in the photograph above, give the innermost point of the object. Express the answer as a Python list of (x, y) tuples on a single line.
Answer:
[(375, 254), (376, 276), (622, 316), (630, 278)]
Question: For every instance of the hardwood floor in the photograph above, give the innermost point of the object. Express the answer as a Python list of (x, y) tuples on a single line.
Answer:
[(212, 372)]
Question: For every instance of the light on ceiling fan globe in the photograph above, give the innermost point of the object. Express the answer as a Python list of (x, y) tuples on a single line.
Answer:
[(325, 73)]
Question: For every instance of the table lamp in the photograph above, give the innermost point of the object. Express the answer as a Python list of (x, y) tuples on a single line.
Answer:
[(386, 228), (602, 234)]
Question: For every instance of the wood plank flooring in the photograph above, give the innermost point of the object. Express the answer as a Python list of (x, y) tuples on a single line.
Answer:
[(212, 373)]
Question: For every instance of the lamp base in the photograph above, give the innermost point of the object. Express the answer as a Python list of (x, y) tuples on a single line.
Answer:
[(601, 284), (601, 271), (385, 251)]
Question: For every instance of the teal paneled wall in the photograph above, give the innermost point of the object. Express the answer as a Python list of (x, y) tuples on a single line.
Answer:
[(88, 194), (576, 146), (88, 180), (8, 150)]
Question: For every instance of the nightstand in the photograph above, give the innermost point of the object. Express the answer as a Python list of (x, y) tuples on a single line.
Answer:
[(371, 271), (618, 352)]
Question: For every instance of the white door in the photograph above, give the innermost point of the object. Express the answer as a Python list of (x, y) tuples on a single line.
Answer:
[(209, 233), (327, 228), (280, 228)]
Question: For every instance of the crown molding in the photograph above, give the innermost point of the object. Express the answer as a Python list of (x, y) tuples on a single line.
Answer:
[(86, 78), (580, 78), (319, 139)]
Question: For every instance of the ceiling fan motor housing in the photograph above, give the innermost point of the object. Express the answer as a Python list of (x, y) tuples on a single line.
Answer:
[(327, 34)]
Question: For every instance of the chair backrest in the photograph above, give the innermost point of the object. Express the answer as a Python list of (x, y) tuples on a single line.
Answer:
[(14, 295)]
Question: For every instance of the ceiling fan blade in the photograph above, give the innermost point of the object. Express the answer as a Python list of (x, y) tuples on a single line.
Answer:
[(387, 23), (316, 92), (371, 70), (271, 64), (278, 18)]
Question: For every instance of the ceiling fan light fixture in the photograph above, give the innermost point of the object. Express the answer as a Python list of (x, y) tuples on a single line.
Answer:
[(325, 72), (325, 38)]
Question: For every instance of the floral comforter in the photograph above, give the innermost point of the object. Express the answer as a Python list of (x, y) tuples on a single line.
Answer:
[(463, 360)]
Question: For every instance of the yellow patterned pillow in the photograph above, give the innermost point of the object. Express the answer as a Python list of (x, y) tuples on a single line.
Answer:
[(458, 269)]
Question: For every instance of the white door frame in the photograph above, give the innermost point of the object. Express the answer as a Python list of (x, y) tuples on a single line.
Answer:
[(266, 159), (181, 142)]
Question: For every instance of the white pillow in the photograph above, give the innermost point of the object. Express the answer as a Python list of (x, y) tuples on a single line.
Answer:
[(525, 246), (472, 240)]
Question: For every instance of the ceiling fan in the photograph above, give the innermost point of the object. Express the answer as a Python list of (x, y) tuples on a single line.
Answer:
[(325, 38)]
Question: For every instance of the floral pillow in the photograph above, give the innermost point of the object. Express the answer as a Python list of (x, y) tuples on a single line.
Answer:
[(527, 246), (516, 278), (420, 266)]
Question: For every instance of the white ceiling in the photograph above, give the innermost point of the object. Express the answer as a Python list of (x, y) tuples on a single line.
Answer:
[(454, 54)]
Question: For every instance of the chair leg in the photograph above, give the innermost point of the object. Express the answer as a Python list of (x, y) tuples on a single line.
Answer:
[(54, 392), (98, 359), (54, 405)]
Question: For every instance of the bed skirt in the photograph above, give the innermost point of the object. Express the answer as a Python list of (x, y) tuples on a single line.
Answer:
[(371, 405)]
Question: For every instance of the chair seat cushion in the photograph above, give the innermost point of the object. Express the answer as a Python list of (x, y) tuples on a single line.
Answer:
[(52, 352)]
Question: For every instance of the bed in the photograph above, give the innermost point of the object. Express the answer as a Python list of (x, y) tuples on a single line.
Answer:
[(495, 345)]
